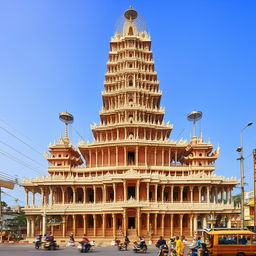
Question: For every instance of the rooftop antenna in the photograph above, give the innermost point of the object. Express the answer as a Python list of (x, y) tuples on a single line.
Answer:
[(66, 118), (194, 116)]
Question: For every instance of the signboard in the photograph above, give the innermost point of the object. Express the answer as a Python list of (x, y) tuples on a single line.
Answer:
[(6, 184)]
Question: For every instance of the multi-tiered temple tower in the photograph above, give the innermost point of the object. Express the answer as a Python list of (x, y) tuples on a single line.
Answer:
[(135, 179)]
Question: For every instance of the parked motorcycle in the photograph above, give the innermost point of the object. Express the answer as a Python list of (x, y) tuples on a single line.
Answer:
[(140, 248)]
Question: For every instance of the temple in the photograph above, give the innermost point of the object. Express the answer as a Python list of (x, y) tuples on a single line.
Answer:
[(132, 179)]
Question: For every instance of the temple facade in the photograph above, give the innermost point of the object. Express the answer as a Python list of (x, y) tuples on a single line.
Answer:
[(132, 179)]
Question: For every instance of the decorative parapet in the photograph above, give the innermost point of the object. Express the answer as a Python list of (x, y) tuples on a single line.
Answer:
[(144, 205), (154, 176)]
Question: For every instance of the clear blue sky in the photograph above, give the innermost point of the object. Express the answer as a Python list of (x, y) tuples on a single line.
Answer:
[(53, 58)]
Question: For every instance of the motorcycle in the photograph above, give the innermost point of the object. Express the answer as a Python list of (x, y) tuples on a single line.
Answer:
[(51, 245), (172, 252), (195, 251), (38, 244), (140, 248), (122, 246), (86, 247), (163, 250)]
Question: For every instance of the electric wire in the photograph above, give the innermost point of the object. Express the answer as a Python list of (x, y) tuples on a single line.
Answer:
[(7, 145), (12, 196), (19, 161), (32, 148), (7, 124)]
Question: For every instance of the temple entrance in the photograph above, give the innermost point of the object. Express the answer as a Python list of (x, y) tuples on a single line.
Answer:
[(131, 222), (131, 192)]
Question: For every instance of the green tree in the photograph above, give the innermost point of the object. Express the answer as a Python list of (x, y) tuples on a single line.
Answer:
[(237, 199), (4, 204)]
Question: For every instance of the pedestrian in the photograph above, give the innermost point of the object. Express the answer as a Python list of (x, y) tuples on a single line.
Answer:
[(178, 246)]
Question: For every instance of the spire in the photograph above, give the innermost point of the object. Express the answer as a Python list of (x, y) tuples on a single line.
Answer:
[(67, 119)]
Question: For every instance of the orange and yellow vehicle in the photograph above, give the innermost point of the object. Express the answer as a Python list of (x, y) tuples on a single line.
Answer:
[(231, 242)]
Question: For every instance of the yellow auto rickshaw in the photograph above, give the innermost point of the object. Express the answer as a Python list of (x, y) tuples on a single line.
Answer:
[(231, 242)]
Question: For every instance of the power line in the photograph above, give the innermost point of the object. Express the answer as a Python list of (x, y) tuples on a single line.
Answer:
[(78, 133), (22, 154), (10, 133), (12, 196), (19, 132), (19, 161)]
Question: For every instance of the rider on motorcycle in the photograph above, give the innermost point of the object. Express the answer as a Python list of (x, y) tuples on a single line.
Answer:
[(126, 240), (160, 242), (85, 243), (38, 241), (142, 241)]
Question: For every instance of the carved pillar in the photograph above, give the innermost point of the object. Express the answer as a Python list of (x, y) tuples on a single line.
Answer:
[(204, 222), (26, 198), (156, 186), (148, 222), (63, 226), (181, 194), (208, 195), (85, 223), (74, 194), (191, 194), (191, 224), (63, 194), (42, 197), (163, 187), (117, 154), (33, 198), (163, 215), (138, 190), (148, 192), (51, 196), (84, 190), (137, 155), (146, 155), (181, 224), (125, 156), (229, 221), (155, 157), (125, 223), (104, 193), (171, 225), (172, 188), (125, 191), (138, 221), (44, 224), (32, 226), (28, 227), (103, 224), (94, 225), (200, 193), (162, 155), (74, 224), (195, 222), (114, 188), (155, 228), (94, 194)]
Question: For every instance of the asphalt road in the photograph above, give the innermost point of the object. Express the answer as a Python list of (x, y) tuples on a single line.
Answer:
[(29, 250)]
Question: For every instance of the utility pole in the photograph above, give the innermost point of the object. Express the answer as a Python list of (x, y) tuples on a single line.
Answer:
[(1, 221), (254, 163), (241, 158)]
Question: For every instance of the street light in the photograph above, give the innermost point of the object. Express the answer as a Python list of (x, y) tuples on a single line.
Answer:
[(241, 158)]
